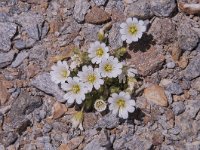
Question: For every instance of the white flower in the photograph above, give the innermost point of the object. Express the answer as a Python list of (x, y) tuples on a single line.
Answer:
[(97, 52), (77, 120), (121, 104), (132, 30), (76, 61), (100, 105), (91, 77), (110, 67), (131, 72), (60, 72), (76, 90)]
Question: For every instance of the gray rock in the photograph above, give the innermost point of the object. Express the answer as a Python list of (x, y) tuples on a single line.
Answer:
[(24, 104), (21, 44), (8, 138), (1, 120), (38, 53), (19, 59), (163, 30), (6, 58), (187, 38), (90, 32), (94, 144), (140, 9), (33, 28), (178, 108), (104, 139), (47, 128), (163, 8), (138, 143), (174, 88), (115, 36), (108, 121), (193, 69), (2, 147), (100, 2), (80, 9), (192, 108), (196, 84), (43, 82), (20, 124), (43, 114), (7, 31), (171, 65), (193, 146)]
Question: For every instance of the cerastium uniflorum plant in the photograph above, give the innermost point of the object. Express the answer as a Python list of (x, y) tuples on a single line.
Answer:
[(100, 79)]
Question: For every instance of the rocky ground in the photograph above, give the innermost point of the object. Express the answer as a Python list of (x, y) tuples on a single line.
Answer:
[(36, 33)]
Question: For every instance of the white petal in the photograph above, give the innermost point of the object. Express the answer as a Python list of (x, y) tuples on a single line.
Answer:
[(123, 25), (129, 21)]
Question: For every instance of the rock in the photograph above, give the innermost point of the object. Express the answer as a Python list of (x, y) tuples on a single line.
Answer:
[(3, 93), (8, 138), (189, 8), (90, 32), (178, 108), (163, 30), (138, 143), (108, 121), (58, 110), (19, 59), (115, 37), (196, 84), (157, 138), (193, 69), (80, 9), (156, 94), (1, 120), (163, 8), (21, 44), (6, 58), (94, 144), (20, 124), (7, 31), (43, 82), (187, 38), (147, 62), (97, 16), (174, 88), (90, 119), (171, 65), (24, 104), (192, 108), (193, 146), (47, 128), (100, 2), (33, 28), (38, 53), (74, 143), (183, 62), (140, 9)]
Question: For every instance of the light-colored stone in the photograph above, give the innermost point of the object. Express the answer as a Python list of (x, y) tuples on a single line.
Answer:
[(58, 110), (156, 94), (97, 16)]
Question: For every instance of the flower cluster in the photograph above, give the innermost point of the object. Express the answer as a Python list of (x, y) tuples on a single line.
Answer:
[(99, 77)]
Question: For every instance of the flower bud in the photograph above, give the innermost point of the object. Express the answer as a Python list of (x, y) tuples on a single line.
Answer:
[(77, 120), (100, 105)]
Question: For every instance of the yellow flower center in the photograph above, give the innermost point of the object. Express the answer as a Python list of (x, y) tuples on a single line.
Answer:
[(108, 67), (64, 73), (133, 29), (99, 52), (76, 88), (121, 103), (91, 78)]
